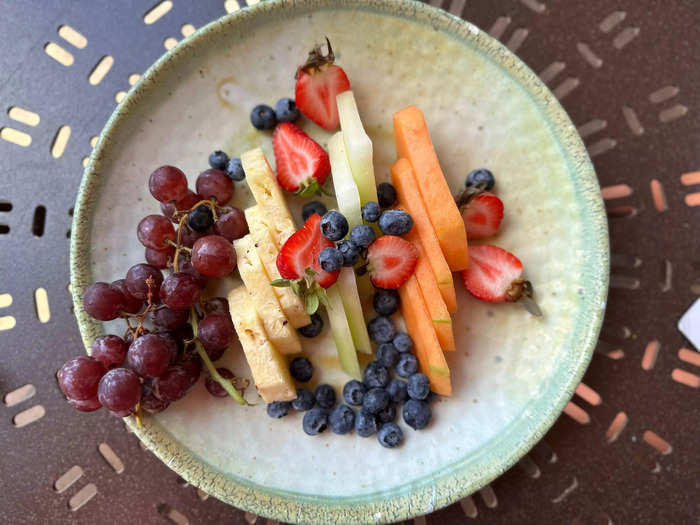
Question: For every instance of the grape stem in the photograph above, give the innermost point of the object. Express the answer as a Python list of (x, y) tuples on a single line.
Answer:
[(226, 385)]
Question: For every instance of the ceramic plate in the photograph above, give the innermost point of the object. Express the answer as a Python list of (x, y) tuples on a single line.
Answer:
[(512, 373)]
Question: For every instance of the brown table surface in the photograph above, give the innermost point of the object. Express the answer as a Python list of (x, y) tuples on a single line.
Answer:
[(625, 451)]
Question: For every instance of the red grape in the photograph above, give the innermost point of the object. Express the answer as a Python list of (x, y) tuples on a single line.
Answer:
[(149, 402), (129, 338), (136, 281), (186, 267), (193, 366), (232, 224), (121, 413), (154, 230), (214, 184), (85, 405), (215, 332), (149, 355), (102, 301), (160, 259), (169, 208), (119, 390), (132, 305), (179, 291), (168, 183), (171, 342), (214, 388), (189, 236), (217, 305), (79, 377), (110, 350), (169, 319), (213, 256), (172, 384)]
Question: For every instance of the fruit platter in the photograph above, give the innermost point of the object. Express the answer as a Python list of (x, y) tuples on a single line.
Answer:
[(330, 281)]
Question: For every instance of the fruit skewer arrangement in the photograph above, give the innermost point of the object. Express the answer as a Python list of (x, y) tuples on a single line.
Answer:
[(398, 241)]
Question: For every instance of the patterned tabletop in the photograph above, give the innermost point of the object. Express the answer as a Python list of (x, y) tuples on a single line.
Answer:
[(625, 449)]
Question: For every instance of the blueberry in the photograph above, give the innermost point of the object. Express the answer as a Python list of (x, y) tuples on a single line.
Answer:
[(353, 392), (234, 170), (387, 354), (418, 386), (334, 225), (263, 117), (313, 328), (350, 252), (387, 414), (341, 419), (218, 160), (301, 369), (397, 390), (278, 408), (313, 207), (407, 365), (315, 421), (395, 222), (200, 219), (362, 235), (390, 435), (386, 302), (386, 194), (417, 414), (325, 396), (376, 375), (330, 259), (305, 400), (365, 423), (286, 110), (480, 176), (403, 342), (375, 400), (381, 329), (371, 211)]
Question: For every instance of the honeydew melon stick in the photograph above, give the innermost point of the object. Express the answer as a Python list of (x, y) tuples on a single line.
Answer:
[(359, 147), (349, 205), (341, 333)]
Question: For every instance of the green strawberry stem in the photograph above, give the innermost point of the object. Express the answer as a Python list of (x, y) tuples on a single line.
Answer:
[(225, 384)]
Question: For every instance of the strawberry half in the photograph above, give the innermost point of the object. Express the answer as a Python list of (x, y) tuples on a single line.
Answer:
[(319, 80), (483, 215), (298, 257), (302, 164), (392, 261), (495, 275)]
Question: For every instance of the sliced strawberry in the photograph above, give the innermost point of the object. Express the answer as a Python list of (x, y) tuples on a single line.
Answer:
[(483, 215), (302, 165), (494, 274), (392, 261), (300, 253), (319, 80)]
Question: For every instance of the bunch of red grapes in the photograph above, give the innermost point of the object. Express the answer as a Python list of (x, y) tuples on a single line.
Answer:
[(154, 365)]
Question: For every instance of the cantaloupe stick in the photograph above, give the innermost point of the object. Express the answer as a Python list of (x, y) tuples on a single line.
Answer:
[(292, 305), (278, 328), (409, 199), (433, 300), (425, 342), (270, 370), (413, 143)]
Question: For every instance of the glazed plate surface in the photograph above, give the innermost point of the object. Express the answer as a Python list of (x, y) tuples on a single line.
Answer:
[(512, 373)]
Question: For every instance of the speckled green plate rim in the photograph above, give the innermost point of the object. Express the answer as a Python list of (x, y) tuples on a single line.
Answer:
[(472, 472)]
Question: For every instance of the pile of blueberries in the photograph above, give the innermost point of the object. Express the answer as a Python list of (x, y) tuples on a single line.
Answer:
[(377, 397), (334, 226)]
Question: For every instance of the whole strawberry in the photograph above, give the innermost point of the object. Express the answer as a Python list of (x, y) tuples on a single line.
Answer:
[(319, 80), (302, 164)]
